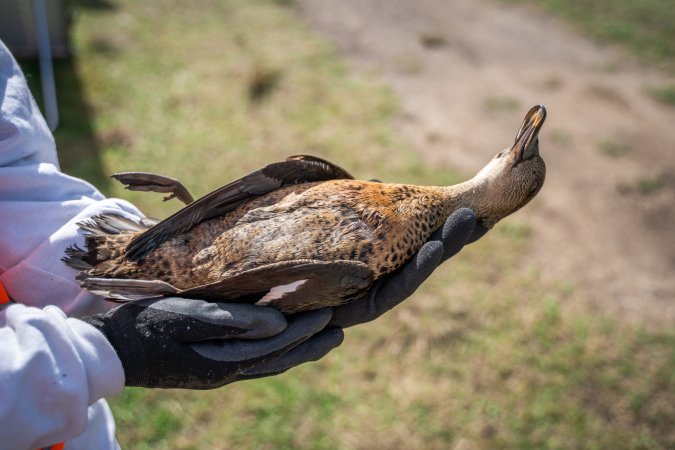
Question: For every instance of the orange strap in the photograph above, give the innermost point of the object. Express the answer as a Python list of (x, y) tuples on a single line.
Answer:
[(4, 298), (55, 446)]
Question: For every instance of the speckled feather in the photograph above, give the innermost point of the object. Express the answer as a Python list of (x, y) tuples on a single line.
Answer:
[(382, 225)]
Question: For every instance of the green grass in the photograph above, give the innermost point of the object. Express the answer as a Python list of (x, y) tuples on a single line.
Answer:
[(650, 184), (614, 148), (643, 26), (664, 94), (485, 355)]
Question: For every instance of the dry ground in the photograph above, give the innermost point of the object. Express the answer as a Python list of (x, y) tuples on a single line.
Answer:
[(465, 73)]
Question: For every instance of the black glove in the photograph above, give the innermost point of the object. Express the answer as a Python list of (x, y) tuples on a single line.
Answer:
[(460, 229), (193, 344)]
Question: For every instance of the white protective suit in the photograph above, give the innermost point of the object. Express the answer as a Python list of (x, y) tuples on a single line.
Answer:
[(55, 370)]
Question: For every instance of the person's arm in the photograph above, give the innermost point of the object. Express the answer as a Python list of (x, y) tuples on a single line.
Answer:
[(40, 205), (52, 368)]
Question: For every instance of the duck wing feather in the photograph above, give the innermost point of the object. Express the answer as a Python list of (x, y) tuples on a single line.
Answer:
[(291, 286), (294, 170)]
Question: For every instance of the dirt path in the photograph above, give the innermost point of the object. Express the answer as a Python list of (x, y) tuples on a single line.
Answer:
[(466, 71)]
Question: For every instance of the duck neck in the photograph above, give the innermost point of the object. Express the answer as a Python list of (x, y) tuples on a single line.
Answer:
[(468, 194)]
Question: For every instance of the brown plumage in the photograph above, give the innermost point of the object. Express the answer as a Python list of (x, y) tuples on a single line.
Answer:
[(298, 235)]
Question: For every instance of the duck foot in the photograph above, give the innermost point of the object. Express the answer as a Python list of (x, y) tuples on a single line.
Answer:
[(152, 182)]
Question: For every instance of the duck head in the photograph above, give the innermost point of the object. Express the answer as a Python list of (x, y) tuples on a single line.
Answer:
[(515, 175)]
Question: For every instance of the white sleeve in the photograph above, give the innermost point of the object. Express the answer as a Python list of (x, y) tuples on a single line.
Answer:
[(40, 205), (52, 368)]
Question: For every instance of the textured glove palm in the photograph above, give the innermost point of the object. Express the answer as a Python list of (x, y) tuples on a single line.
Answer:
[(193, 344)]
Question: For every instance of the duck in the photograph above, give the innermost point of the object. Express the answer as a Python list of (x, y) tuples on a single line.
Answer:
[(297, 235)]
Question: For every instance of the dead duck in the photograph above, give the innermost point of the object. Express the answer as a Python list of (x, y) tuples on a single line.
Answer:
[(299, 234)]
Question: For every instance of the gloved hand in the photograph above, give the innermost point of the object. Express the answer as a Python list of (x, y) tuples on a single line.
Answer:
[(193, 344), (460, 229)]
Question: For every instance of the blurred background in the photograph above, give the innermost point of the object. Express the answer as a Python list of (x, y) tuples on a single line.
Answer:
[(553, 331)]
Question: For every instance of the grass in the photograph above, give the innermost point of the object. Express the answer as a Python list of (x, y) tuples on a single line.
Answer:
[(614, 148), (664, 94), (644, 26), (485, 355), (651, 184)]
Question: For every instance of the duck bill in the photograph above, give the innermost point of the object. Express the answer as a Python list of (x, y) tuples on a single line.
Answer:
[(526, 144)]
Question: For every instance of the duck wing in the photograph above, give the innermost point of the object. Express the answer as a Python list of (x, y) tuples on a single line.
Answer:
[(291, 286), (294, 170)]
